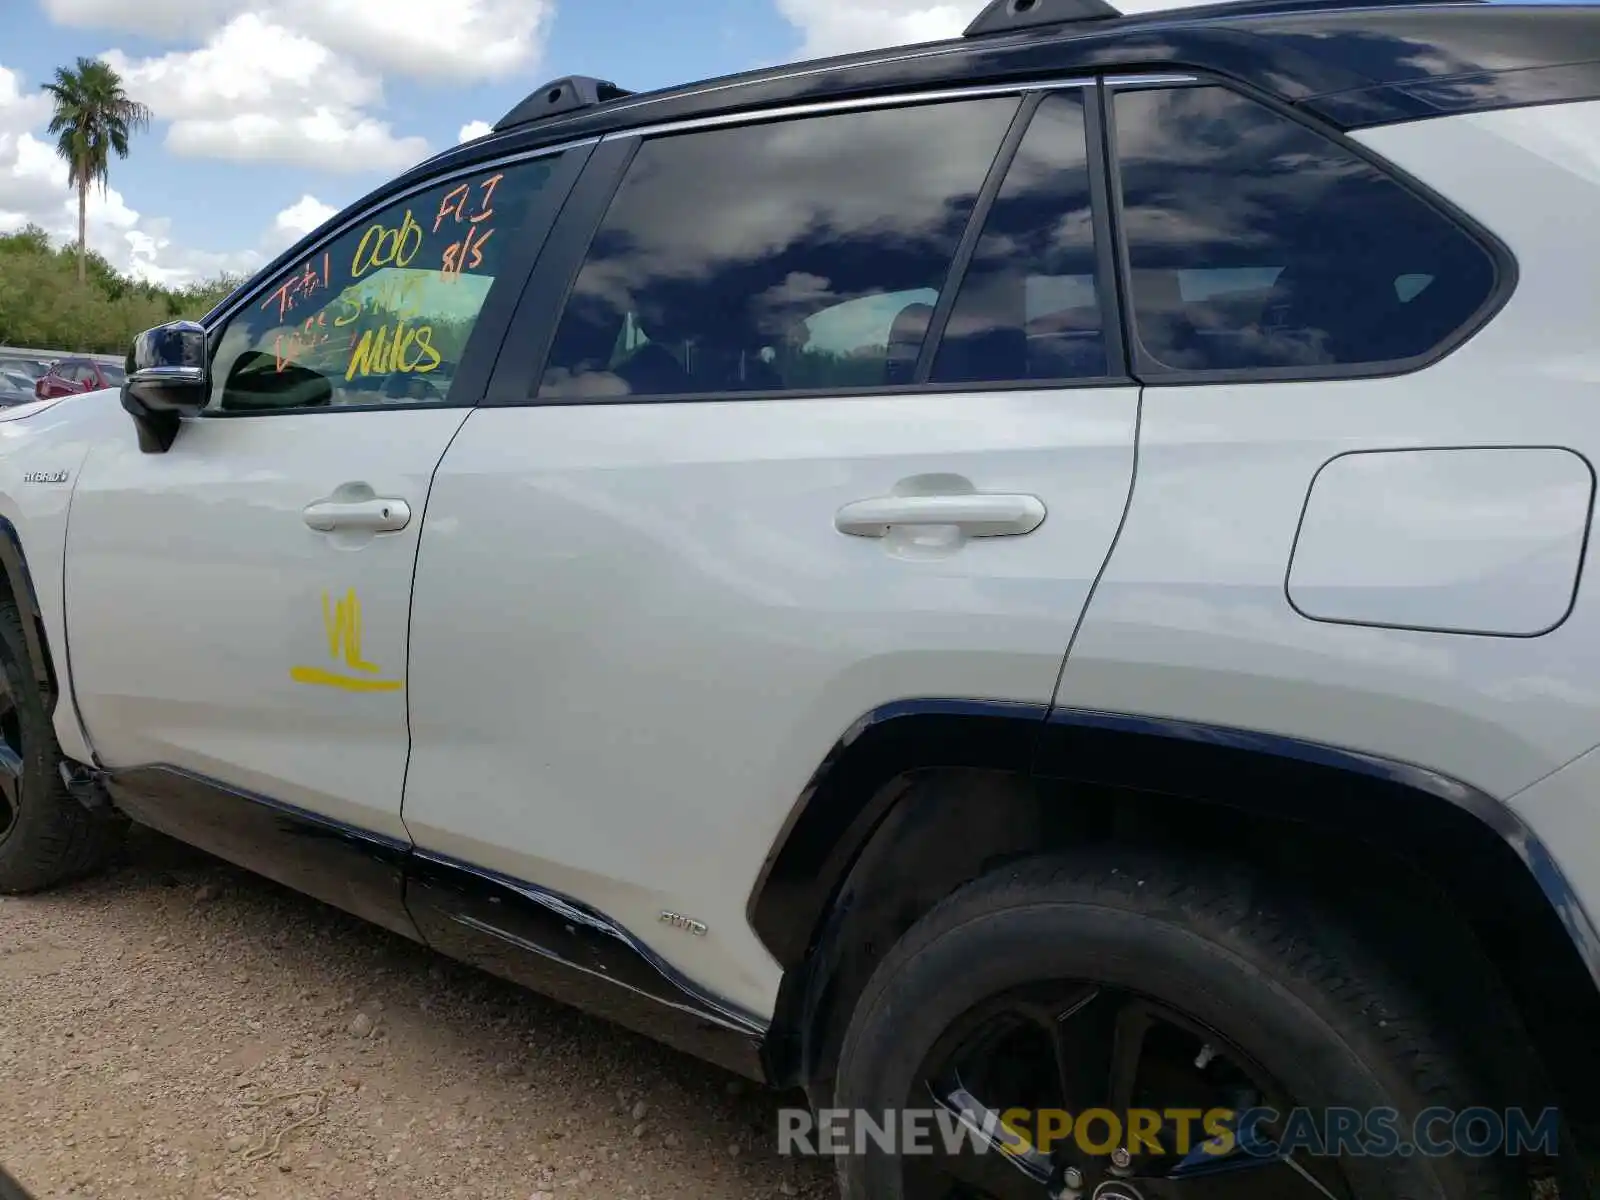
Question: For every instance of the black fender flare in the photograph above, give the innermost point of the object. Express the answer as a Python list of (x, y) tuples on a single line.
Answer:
[(797, 908), (14, 564)]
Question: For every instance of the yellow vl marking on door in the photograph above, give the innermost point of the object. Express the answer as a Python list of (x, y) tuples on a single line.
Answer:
[(341, 621)]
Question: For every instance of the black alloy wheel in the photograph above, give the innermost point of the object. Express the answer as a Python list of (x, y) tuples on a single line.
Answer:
[(1041, 1033), (1074, 1048)]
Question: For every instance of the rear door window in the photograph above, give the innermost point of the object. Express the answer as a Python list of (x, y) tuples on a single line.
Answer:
[(803, 255), (1029, 307)]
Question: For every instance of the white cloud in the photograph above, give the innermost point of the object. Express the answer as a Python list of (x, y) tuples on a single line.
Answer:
[(325, 138), (259, 92), (168, 18), (460, 40), (841, 26), (20, 108), (34, 189), (835, 27), (298, 82), (152, 254), (473, 130), (155, 257), (247, 64), (299, 219), (33, 178)]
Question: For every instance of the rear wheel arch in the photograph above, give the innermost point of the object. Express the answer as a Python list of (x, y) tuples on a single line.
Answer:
[(943, 792)]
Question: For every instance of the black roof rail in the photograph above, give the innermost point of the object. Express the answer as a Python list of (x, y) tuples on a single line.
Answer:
[(568, 94), (1286, 8), (1003, 16)]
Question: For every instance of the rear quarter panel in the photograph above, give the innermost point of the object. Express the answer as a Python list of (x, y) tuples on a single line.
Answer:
[(1192, 618)]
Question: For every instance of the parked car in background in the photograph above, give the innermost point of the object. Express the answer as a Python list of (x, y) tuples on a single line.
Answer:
[(72, 375), (16, 386), (33, 368)]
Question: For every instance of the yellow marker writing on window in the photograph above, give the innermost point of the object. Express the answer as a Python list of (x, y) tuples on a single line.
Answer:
[(341, 621)]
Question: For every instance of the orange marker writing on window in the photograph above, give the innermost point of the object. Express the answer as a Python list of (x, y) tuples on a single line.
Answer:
[(466, 254)]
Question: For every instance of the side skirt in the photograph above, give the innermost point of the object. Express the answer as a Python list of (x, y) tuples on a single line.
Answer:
[(352, 869), (568, 951), (542, 940)]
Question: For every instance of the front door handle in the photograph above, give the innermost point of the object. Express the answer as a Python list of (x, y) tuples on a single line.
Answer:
[(976, 514), (377, 515)]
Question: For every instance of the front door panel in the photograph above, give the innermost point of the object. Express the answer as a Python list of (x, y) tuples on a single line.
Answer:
[(238, 606), (213, 629)]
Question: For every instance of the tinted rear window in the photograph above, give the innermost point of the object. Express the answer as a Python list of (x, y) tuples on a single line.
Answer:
[(1257, 244), (794, 256)]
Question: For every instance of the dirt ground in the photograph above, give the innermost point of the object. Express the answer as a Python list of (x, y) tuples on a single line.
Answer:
[(179, 1028)]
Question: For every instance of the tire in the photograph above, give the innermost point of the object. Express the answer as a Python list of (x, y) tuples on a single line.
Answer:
[(46, 836), (1277, 980)]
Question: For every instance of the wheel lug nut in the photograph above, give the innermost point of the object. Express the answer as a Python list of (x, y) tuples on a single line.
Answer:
[(1121, 1160)]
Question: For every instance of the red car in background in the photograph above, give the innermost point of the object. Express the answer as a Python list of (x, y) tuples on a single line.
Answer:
[(71, 375)]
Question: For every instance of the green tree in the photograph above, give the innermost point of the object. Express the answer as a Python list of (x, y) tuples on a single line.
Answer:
[(42, 306), (93, 119)]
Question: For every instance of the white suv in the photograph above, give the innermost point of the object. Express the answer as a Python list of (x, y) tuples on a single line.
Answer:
[(1029, 574)]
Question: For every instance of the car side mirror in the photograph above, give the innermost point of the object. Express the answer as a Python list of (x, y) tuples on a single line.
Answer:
[(166, 381)]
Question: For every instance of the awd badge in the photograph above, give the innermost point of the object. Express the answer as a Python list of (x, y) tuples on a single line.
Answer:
[(678, 921)]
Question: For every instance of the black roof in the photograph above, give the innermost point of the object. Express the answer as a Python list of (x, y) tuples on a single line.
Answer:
[(1355, 63), (1352, 63)]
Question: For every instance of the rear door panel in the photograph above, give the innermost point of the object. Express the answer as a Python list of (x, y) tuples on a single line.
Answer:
[(637, 626), (665, 633)]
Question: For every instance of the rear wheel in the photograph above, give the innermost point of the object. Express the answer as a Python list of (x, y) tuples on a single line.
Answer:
[(1132, 991), (46, 836)]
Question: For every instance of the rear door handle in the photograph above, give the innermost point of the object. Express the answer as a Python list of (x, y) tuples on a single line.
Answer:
[(377, 515), (975, 514)]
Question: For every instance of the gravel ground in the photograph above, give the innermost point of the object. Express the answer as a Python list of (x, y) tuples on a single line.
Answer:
[(179, 1028)]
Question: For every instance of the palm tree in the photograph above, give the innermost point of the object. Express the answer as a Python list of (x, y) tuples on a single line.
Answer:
[(93, 117)]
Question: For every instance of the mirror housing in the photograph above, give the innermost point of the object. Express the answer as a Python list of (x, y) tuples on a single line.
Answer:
[(166, 381)]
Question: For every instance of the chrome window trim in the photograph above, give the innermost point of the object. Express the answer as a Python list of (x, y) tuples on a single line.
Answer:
[(819, 69), (751, 117), (1020, 87), (1156, 80), (217, 319), (885, 100)]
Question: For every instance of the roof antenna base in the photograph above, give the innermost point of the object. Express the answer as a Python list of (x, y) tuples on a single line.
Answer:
[(1006, 16), (571, 93)]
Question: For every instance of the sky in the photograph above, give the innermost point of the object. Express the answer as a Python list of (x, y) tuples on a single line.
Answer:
[(271, 115)]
